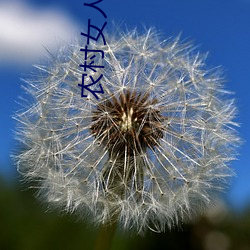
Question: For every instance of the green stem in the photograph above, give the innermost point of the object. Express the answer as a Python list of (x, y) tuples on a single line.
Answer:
[(105, 236)]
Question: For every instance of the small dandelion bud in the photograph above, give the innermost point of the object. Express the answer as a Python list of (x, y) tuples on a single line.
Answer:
[(150, 152)]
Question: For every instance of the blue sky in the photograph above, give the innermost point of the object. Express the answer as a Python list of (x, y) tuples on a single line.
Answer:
[(221, 27)]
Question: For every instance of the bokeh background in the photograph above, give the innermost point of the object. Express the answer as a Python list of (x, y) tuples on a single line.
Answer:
[(29, 27)]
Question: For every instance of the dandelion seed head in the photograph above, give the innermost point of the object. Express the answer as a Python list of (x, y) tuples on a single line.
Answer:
[(151, 152)]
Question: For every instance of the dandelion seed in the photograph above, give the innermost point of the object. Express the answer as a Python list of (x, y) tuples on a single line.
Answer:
[(149, 153)]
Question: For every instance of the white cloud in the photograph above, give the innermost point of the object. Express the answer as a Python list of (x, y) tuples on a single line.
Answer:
[(25, 31)]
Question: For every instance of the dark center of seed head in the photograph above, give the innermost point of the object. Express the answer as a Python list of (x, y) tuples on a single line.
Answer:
[(128, 124)]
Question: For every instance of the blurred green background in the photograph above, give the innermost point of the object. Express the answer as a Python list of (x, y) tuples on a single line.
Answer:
[(27, 225)]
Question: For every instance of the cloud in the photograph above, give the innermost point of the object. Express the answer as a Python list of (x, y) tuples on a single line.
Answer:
[(25, 31)]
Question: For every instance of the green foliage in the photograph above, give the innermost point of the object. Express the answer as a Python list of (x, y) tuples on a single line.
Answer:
[(26, 226)]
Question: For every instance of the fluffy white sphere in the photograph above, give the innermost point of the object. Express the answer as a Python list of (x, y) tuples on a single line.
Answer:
[(150, 152)]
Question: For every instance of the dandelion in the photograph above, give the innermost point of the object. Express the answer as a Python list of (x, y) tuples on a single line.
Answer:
[(151, 152)]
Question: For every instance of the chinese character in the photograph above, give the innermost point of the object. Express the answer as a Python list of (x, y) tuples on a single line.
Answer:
[(89, 62), (99, 34), (97, 8), (90, 65), (93, 92)]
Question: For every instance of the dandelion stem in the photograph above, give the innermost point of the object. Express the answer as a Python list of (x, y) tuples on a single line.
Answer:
[(105, 236)]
